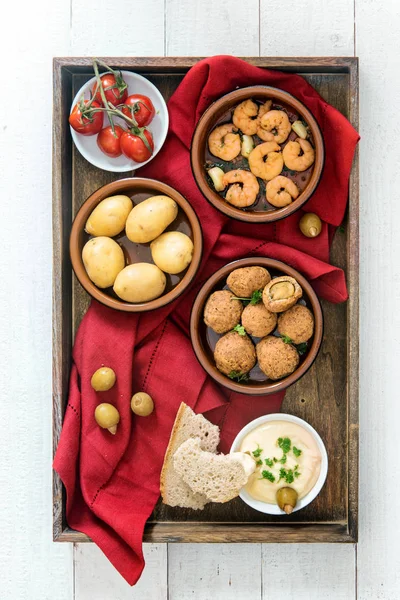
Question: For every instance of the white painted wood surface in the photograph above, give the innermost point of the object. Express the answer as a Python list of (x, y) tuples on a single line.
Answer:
[(31, 566)]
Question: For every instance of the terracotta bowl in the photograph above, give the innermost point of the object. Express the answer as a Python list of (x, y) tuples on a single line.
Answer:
[(138, 189), (204, 338), (220, 112)]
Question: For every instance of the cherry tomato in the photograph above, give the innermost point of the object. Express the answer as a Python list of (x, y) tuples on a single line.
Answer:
[(141, 107), (133, 146), (84, 121), (115, 88), (110, 143)]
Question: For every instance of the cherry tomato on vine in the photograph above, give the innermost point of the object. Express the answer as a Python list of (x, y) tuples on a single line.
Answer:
[(141, 107), (109, 143), (133, 146), (114, 86), (84, 120)]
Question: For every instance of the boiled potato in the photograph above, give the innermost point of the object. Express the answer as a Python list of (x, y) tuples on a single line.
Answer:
[(103, 260), (109, 216), (148, 219), (172, 251), (140, 282)]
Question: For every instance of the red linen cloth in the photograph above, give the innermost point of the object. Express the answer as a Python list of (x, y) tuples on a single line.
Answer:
[(112, 482)]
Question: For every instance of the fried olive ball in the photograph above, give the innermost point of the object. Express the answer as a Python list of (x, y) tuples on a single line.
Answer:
[(234, 353), (276, 359), (243, 282), (281, 293), (221, 313), (257, 320), (297, 323)]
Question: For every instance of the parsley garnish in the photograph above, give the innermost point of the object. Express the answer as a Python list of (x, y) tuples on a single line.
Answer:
[(240, 329), (286, 339), (283, 459), (268, 475), (254, 299), (257, 453), (296, 451), (301, 348), (284, 444), (269, 462), (259, 462), (238, 376), (287, 475)]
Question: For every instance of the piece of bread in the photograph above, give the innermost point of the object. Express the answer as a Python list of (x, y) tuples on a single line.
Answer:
[(174, 491), (219, 477)]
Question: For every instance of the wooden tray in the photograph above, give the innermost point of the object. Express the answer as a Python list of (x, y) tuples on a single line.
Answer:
[(326, 397)]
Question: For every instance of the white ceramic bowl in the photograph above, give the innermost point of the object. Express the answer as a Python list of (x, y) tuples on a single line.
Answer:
[(87, 145), (273, 509)]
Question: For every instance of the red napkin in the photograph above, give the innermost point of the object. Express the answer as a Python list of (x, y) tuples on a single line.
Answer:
[(112, 482)]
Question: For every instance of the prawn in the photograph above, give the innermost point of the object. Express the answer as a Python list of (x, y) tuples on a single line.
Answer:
[(244, 190), (281, 191), (274, 126), (264, 108), (245, 117), (224, 142), (266, 161), (298, 155)]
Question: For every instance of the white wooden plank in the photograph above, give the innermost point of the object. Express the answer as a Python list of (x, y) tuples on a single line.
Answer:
[(305, 28), (31, 565), (124, 28), (208, 27), (219, 571), (308, 572), (96, 578), (377, 25)]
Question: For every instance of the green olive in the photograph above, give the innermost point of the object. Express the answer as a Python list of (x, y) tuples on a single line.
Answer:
[(286, 498), (310, 225), (107, 417), (103, 379), (142, 404)]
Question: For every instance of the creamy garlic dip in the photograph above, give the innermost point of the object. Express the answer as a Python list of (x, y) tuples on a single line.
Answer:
[(292, 455)]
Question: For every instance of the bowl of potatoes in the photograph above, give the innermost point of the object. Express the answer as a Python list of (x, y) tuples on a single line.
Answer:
[(135, 244)]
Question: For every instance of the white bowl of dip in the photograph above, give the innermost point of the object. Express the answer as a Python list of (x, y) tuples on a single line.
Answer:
[(312, 464)]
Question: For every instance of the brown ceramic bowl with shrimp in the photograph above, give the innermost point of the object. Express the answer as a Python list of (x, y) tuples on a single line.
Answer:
[(205, 339), (257, 154), (138, 189)]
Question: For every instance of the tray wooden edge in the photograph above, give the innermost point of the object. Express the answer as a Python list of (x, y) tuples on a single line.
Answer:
[(233, 533), (192, 532)]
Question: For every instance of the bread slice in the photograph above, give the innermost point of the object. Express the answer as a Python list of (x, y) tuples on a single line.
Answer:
[(174, 491), (219, 477)]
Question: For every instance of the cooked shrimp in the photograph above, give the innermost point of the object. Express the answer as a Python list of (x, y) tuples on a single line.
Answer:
[(224, 142), (281, 191), (298, 155), (274, 126), (245, 117), (266, 161), (244, 190), (264, 108)]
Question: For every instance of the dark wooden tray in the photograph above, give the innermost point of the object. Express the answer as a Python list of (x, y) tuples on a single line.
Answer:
[(326, 397)]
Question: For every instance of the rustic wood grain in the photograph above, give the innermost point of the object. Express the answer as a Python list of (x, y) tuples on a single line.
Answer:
[(327, 396)]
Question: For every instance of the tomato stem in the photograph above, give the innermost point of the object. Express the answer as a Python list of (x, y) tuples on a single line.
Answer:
[(103, 96)]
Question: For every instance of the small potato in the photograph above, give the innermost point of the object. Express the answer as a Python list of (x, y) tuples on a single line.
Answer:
[(109, 216), (172, 251), (140, 282), (148, 219), (103, 260)]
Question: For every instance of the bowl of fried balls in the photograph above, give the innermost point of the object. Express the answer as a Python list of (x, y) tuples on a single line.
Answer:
[(135, 244), (256, 326)]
